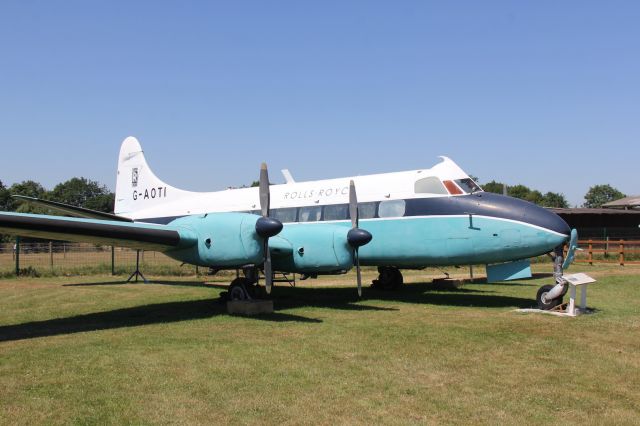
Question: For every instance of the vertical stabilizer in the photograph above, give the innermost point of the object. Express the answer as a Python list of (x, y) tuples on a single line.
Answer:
[(137, 187)]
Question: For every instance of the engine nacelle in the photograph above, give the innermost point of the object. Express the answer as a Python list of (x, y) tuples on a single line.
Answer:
[(224, 240), (312, 249)]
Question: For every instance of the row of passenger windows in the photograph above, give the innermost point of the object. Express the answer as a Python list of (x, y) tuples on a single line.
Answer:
[(391, 208)]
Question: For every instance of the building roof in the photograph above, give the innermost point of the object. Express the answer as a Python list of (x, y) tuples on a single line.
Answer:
[(624, 203), (600, 218)]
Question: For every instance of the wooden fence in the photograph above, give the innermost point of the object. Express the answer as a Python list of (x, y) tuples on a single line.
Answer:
[(620, 252)]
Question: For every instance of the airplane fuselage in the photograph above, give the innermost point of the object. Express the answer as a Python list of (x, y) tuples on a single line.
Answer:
[(418, 218)]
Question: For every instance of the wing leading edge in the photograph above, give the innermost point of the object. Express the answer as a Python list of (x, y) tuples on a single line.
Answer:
[(107, 232)]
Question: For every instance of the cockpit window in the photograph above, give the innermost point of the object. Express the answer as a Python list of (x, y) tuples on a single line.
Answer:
[(430, 185), (468, 185)]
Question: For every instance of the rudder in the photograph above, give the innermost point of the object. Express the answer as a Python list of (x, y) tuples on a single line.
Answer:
[(137, 187)]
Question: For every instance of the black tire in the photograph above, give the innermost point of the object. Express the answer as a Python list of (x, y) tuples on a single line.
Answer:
[(390, 278), (238, 290), (397, 278), (550, 304)]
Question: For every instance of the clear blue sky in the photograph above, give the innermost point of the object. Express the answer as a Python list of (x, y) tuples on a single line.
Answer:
[(543, 93)]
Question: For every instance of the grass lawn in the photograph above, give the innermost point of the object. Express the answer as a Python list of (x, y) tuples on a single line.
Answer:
[(93, 350)]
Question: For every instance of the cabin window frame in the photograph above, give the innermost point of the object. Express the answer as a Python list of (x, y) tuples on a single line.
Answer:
[(392, 208)]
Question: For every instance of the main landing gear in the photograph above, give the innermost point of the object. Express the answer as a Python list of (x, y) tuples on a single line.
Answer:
[(246, 288), (389, 278), (550, 296)]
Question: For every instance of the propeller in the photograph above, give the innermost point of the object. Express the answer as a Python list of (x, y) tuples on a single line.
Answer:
[(356, 237), (266, 226)]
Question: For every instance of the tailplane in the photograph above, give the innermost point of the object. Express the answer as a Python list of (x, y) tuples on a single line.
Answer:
[(137, 187)]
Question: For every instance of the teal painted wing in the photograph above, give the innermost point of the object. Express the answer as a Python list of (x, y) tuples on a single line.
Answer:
[(106, 232)]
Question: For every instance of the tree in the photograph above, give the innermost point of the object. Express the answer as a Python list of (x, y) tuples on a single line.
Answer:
[(601, 194), (553, 199), (493, 186), (5, 198), (83, 192), (550, 199), (27, 188), (518, 191), (5, 205)]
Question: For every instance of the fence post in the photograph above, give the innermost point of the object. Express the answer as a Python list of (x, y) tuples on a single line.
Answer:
[(51, 254), (16, 248), (621, 252), (590, 252), (113, 260)]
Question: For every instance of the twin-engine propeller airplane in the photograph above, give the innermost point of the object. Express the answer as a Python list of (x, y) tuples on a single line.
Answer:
[(409, 220)]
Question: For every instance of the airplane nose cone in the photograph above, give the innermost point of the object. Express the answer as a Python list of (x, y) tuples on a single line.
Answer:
[(545, 218), (515, 209)]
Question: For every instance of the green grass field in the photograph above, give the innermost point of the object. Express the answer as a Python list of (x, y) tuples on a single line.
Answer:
[(92, 350)]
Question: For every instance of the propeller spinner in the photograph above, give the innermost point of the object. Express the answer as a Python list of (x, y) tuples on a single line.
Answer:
[(356, 237)]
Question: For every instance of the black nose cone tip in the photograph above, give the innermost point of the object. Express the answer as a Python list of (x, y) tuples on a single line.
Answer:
[(547, 219), (268, 227), (358, 237), (560, 226)]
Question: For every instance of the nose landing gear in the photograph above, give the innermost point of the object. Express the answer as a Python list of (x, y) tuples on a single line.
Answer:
[(550, 296)]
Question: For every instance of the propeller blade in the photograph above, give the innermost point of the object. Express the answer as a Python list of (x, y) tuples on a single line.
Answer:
[(353, 205), (268, 272), (266, 226), (358, 274), (264, 190)]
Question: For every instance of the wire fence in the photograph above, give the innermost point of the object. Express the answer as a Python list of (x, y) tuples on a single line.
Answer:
[(59, 258), (52, 258)]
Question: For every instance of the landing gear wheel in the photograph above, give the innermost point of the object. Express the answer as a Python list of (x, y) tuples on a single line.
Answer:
[(239, 289), (389, 278), (543, 303)]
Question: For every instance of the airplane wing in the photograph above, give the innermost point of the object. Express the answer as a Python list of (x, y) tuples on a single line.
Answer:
[(72, 210), (107, 232)]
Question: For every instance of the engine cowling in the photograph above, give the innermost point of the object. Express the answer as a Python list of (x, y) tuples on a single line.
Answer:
[(313, 249), (224, 240)]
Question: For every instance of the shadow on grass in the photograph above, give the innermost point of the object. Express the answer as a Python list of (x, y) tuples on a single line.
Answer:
[(163, 282), (285, 298), (131, 317), (416, 293)]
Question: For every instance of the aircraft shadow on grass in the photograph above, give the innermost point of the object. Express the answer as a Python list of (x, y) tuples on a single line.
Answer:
[(130, 317), (340, 298)]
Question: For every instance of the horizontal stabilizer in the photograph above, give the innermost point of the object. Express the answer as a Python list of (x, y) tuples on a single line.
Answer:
[(106, 232), (72, 210)]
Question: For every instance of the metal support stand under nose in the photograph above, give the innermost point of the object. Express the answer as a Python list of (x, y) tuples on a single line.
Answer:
[(137, 272)]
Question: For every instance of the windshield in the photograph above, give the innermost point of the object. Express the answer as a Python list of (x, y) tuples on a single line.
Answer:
[(468, 185)]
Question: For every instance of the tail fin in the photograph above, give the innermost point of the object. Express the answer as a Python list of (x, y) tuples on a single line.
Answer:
[(137, 187)]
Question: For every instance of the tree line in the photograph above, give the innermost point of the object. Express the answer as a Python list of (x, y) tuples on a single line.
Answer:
[(76, 191), (595, 197)]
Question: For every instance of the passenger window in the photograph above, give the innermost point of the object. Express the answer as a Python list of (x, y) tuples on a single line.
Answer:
[(336, 212), (430, 185), (310, 214), (285, 215), (392, 208), (367, 210)]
